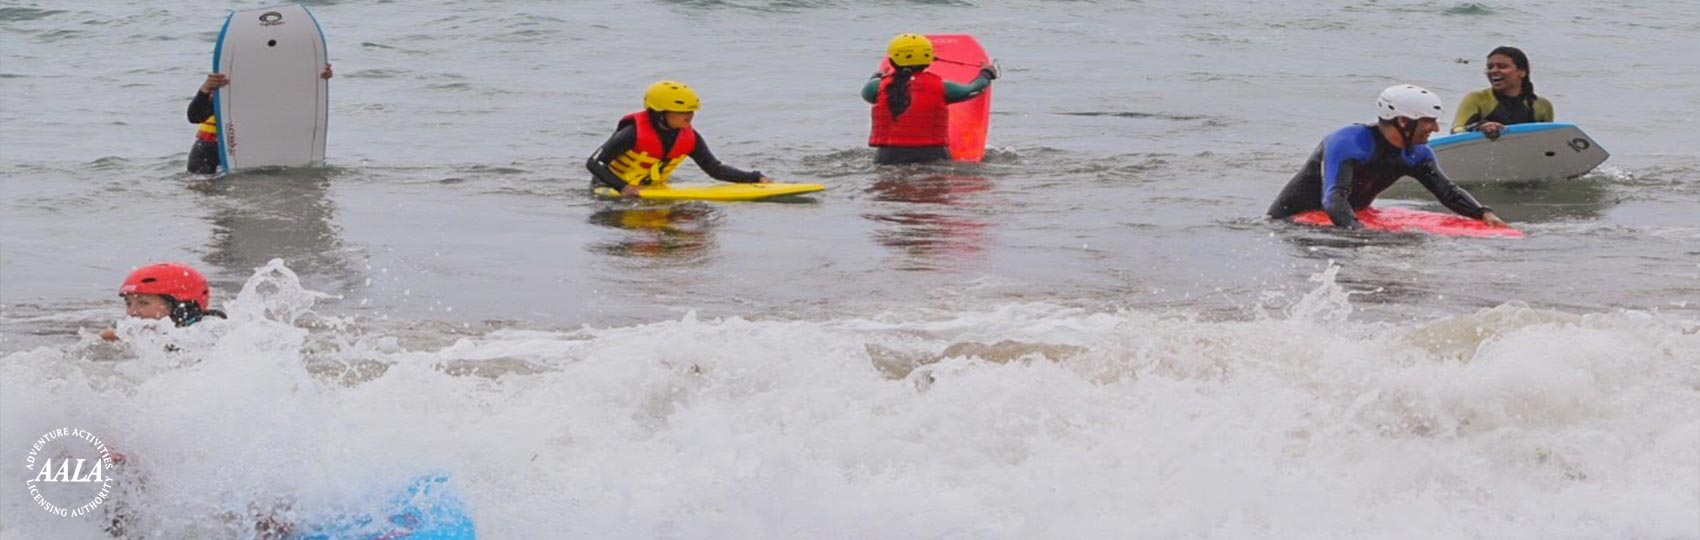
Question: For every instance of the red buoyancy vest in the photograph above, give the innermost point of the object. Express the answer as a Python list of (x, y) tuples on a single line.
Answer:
[(644, 164), (925, 123)]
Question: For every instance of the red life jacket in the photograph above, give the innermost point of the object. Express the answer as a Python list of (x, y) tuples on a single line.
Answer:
[(925, 123), (644, 164)]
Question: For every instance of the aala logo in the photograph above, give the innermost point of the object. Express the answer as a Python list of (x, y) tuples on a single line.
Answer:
[(75, 468), (68, 474), (271, 18)]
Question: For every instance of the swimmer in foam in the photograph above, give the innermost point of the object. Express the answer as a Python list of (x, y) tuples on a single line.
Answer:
[(180, 293), (1358, 162), (1509, 99), (166, 290), (203, 156), (911, 120), (648, 145)]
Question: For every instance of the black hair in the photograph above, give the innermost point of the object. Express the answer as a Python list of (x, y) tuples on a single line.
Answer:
[(898, 98), (658, 119), (1522, 61), (187, 312)]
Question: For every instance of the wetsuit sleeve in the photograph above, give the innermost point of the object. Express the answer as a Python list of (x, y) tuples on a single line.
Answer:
[(1470, 112), (1454, 197), (1543, 110), (617, 145), (1337, 191), (200, 108), (871, 89), (1340, 152), (720, 171), (954, 93)]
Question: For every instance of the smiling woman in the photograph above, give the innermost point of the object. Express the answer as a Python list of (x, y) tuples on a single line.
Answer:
[(1509, 99)]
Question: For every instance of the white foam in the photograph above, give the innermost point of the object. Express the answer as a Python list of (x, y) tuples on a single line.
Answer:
[(1022, 421)]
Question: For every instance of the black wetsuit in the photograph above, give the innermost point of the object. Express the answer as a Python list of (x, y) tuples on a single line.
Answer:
[(203, 156), (1355, 164), (626, 138)]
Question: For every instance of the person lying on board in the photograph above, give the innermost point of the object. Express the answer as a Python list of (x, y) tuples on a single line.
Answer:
[(911, 123), (1509, 99), (162, 290), (1354, 164), (204, 156), (649, 144)]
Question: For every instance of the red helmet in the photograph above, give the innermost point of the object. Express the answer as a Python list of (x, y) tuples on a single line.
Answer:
[(179, 281)]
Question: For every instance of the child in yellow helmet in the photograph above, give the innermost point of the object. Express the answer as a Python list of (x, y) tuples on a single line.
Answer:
[(911, 122), (649, 144)]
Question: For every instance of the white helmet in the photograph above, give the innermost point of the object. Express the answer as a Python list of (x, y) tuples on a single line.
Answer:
[(1407, 101)]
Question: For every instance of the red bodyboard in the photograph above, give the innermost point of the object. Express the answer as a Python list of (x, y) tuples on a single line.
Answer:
[(1404, 220), (958, 58)]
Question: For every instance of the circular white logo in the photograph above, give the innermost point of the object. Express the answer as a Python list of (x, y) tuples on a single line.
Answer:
[(70, 472)]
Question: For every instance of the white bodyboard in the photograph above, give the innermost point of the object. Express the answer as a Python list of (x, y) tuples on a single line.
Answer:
[(274, 111), (1523, 152)]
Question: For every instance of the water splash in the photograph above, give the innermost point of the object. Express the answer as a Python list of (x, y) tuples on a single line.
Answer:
[(274, 293), (1003, 423), (1327, 303)]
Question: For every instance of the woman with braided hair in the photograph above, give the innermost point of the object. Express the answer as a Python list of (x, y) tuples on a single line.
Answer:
[(1509, 99), (911, 123)]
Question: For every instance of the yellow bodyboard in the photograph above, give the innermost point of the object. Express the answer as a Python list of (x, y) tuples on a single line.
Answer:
[(717, 192)]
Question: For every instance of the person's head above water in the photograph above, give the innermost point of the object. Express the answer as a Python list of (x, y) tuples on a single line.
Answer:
[(676, 102), (1410, 112), (157, 291), (1508, 72), (910, 51)]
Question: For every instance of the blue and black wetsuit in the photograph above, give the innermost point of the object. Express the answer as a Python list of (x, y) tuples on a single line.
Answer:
[(1355, 164)]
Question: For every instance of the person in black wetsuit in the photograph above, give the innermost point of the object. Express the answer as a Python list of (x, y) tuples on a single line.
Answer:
[(204, 155), (649, 144), (1358, 162)]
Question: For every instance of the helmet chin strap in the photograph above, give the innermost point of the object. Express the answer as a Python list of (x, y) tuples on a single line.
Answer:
[(1409, 131)]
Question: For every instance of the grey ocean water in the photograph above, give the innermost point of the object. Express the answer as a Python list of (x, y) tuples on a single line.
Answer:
[(1135, 146)]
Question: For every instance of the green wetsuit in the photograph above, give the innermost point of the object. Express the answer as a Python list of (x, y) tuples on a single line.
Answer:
[(953, 92)]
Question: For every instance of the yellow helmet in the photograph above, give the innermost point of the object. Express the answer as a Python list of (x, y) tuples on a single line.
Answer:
[(671, 96), (910, 50)]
